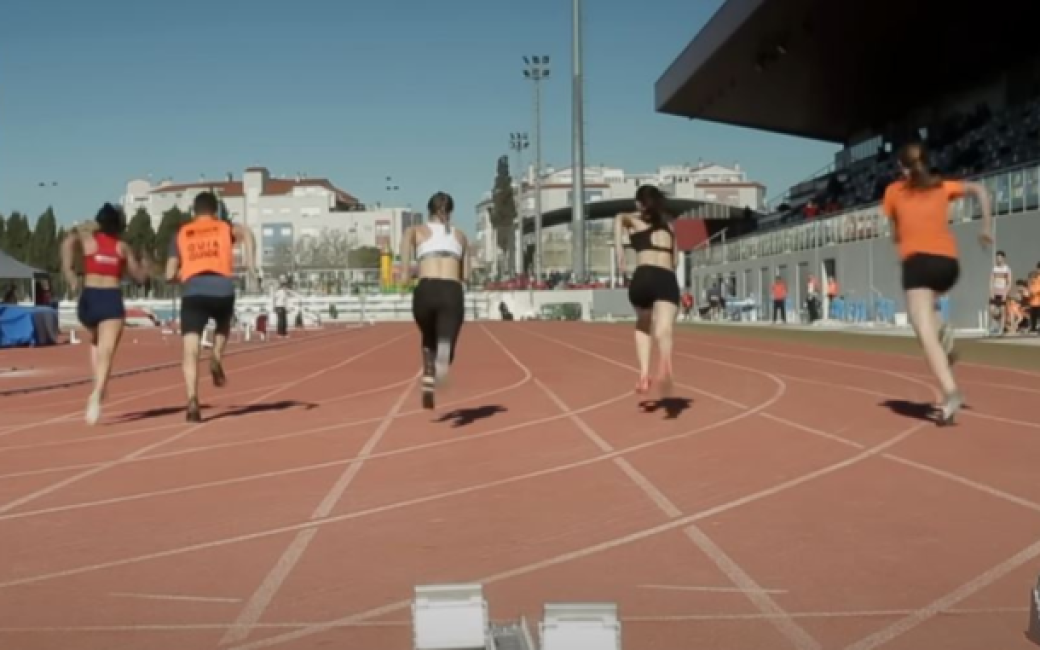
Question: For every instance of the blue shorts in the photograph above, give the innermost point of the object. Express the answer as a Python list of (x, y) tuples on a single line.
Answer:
[(98, 305)]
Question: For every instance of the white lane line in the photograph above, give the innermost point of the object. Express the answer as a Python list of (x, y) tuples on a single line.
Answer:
[(174, 597), (712, 590), (76, 478), (272, 583), (794, 633)]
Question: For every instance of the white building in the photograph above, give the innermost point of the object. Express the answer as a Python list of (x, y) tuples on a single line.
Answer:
[(280, 211), (704, 182)]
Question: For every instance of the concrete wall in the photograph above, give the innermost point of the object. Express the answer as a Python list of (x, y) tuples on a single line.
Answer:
[(871, 267)]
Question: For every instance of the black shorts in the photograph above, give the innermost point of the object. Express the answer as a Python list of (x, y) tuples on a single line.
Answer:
[(439, 309), (197, 310), (652, 284), (936, 272), (98, 305)]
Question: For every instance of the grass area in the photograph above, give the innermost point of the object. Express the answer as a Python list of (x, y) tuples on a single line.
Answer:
[(980, 351)]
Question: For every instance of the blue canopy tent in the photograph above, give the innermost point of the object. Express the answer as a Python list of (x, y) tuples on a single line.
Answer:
[(25, 326)]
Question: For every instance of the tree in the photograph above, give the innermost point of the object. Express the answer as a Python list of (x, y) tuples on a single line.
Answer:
[(365, 257), (3, 233), (43, 250), (171, 222), (18, 236), (140, 236), (332, 249), (503, 210)]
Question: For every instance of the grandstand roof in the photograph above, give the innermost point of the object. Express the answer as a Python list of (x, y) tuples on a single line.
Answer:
[(829, 70)]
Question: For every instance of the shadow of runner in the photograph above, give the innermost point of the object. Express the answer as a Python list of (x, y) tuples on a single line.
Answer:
[(673, 407), (466, 417)]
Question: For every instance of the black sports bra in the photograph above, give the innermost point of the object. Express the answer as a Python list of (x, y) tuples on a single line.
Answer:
[(644, 239)]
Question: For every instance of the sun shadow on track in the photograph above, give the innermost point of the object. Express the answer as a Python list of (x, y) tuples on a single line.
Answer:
[(466, 417), (673, 407), (268, 407), (156, 413), (914, 410)]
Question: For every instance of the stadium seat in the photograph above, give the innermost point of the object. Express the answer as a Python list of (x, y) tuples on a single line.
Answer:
[(589, 626), (450, 617)]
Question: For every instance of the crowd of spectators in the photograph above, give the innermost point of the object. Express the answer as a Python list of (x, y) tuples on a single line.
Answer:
[(962, 145)]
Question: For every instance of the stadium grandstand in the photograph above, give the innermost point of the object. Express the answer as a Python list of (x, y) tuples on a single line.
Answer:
[(869, 76)]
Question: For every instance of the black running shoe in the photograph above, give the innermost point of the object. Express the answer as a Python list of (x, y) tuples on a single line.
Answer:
[(194, 413), (216, 369)]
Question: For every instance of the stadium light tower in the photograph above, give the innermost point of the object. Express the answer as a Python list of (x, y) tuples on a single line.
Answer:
[(518, 142), (577, 147), (536, 69)]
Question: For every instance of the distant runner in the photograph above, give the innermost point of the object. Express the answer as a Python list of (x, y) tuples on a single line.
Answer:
[(918, 206), (200, 257), (100, 309)]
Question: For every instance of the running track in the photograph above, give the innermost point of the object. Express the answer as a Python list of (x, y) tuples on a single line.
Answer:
[(794, 502)]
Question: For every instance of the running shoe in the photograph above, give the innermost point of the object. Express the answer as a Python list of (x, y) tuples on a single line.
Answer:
[(93, 413), (948, 411), (194, 413), (216, 369)]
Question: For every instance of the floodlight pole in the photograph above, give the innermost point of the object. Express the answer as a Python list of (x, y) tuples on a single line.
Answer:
[(536, 68), (577, 147)]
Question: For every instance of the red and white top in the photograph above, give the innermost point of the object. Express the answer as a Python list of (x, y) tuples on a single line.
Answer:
[(106, 260)]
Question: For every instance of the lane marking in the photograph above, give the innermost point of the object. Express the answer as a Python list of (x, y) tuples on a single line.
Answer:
[(276, 577), (713, 590), (76, 478), (173, 597)]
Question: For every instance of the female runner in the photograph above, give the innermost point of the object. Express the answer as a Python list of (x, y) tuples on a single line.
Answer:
[(918, 205), (654, 291), (100, 309), (437, 302)]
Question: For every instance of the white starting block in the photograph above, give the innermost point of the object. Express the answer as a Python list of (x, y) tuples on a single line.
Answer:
[(207, 338), (450, 617), (589, 626), (73, 338)]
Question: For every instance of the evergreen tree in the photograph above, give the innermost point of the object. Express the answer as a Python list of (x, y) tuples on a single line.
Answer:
[(171, 222), (503, 211), (18, 237), (43, 250), (140, 235), (3, 233)]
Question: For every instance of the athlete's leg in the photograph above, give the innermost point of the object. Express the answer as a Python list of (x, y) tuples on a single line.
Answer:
[(644, 341), (108, 335), (424, 311), (225, 316), (664, 322), (931, 334)]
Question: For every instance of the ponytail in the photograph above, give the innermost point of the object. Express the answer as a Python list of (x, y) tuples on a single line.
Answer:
[(914, 159), (654, 204)]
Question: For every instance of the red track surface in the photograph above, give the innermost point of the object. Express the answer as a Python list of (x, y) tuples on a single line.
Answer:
[(787, 506)]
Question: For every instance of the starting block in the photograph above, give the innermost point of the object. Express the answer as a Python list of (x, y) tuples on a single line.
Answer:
[(1033, 632), (73, 339), (450, 617), (589, 626)]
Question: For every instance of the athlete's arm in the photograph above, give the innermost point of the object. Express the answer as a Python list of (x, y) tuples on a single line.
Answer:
[(620, 222), (982, 196), (68, 258), (675, 249), (466, 262), (245, 237), (139, 270), (407, 244), (173, 262)]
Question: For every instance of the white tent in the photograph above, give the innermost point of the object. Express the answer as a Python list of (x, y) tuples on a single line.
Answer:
[(12, 269)]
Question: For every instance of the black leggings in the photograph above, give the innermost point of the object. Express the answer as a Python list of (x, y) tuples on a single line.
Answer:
[(439, 310)]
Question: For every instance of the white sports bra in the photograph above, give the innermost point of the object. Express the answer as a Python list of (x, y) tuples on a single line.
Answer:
[(441, 243)]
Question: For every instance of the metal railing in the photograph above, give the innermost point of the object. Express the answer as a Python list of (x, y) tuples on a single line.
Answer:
[(1013, 190)]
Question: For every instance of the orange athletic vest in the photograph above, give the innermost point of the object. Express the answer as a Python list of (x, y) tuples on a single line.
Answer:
[(1034, 292), (205, 247)]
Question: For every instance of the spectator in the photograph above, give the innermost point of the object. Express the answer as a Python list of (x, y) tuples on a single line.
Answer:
[(779, 300)]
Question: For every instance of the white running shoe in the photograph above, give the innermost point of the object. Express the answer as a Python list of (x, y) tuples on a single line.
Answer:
[(93, 413)]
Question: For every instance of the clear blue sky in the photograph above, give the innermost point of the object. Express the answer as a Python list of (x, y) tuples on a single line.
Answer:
[(95, 93)]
